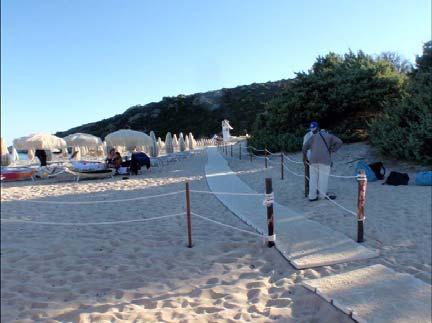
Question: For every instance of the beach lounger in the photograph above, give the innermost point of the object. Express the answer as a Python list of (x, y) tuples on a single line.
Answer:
[(90, 174)]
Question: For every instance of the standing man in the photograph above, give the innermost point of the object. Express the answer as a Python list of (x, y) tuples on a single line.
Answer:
[(321, 145)]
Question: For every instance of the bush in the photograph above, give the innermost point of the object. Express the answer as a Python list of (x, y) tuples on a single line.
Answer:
[(342, 93), (405, 129)]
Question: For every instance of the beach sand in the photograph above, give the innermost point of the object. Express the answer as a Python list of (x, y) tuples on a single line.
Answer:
[(398, 218), (143, 271)]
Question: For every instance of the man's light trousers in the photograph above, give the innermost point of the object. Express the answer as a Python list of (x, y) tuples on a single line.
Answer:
[(318, 180)]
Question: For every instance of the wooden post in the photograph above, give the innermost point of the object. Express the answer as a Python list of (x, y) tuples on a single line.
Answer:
[(265, 156), (270, 218), (306, 179), (361, 200), (250, 154), (188, 213), (240, 151), (231, 150), (282, 166)]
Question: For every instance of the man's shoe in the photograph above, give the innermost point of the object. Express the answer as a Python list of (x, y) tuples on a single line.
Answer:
[(316, 199)]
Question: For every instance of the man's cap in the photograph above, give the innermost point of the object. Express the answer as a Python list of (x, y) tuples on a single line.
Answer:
[(313, 125)]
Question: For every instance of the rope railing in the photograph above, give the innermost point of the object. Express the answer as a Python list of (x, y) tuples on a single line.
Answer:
[(227, 225), (90, 223), (101, 201)]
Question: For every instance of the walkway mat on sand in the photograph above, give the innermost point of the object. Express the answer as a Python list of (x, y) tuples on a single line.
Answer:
[(376, 294), (303, 242)]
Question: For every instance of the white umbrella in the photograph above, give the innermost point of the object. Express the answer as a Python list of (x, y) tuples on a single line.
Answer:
[(186, 140), (5, 158), (181, 141), (43, 141), (175, 142), (154, 148), (128, 138), (82, 139), (14, 154), (192, 142), (169, 143)]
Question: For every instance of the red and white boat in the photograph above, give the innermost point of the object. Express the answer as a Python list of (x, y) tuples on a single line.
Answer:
[(16, 173)]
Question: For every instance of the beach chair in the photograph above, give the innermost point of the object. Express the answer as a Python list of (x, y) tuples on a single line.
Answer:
[(91, 174)]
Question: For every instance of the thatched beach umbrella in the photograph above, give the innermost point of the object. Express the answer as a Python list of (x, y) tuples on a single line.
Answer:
[(83, 140), (128, 138), (42, 141), (169, 149)]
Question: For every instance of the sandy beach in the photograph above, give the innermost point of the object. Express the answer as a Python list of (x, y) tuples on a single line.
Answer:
[(398, 218), (143, 271)]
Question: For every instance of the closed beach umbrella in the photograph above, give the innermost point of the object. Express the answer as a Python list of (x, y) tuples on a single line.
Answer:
[(192, 142), (175, 142), (187, 142), (42, 141), (14, 154), (169, 149), (5, 158), (128, 138), (181, 141), (154, 148), (161, 144)]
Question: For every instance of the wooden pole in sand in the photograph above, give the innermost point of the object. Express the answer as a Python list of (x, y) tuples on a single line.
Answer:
[(306, 179), (361, 200), (265, 156), (250, 154), (231, 150), (270, 218), (188, 213), (282, 166), (240, 151)]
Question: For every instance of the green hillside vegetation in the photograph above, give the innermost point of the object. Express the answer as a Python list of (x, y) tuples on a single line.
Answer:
[(404, 130), (342, 93), (199, 113)]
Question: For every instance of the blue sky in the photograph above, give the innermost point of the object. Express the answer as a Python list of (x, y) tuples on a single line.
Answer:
[(69, 62)]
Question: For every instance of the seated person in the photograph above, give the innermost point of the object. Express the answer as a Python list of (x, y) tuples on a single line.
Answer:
[(138, 160), (110, 158), (117, 160)]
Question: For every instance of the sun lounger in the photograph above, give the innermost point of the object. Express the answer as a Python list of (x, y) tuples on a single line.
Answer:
[(90, 174)]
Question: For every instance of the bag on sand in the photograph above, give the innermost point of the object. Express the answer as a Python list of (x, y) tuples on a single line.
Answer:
[(371, 177), (424, 178), (396, 178), (378, 169)]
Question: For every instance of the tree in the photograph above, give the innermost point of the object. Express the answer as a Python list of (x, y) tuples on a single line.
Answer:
[(404, 129), (341, 92)]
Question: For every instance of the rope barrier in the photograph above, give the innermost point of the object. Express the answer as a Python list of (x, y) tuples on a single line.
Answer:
[(292, 160), (325, 195), (226, 193), (102, 201), (227, 225), (90, 223)]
